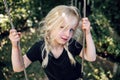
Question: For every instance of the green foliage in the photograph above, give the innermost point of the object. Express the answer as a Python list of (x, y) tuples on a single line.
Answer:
[(24, 13), (105, 25), (97, 70), (27, 14), (35, 71)]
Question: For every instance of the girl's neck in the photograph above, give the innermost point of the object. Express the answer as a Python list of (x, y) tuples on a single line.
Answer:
[(57, 50), (57, 47)]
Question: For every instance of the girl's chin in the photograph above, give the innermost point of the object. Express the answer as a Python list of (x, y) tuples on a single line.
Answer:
[(63, 42)]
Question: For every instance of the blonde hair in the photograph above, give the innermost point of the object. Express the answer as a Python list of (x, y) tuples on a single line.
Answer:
[(53, 20)]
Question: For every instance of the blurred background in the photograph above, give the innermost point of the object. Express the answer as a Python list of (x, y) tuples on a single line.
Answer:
[(26, 15)]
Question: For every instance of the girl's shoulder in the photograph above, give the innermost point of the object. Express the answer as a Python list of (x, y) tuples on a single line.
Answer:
[(74, 47), (40, 43), (74, 42)]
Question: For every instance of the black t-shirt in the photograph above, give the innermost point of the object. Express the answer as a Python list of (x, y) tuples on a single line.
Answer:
[(60, 68)]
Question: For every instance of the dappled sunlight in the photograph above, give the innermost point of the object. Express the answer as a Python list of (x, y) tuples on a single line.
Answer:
[(27, 14), (94, 70), (32, 30), (103, 69), (97, 70)]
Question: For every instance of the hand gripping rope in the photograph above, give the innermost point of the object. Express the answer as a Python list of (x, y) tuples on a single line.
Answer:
[(12, 27)]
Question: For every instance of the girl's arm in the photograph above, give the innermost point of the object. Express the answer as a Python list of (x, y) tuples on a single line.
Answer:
[(17, 59), (89, 51)]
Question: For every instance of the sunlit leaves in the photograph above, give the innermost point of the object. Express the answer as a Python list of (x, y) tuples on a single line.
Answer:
[(106, 39), (4, 23), (105, 28)]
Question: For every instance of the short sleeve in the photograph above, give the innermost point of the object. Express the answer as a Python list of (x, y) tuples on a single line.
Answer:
[(34, 53), (74, 47)]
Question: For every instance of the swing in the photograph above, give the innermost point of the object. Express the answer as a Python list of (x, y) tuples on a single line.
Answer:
[(12, 27), (82, 67)]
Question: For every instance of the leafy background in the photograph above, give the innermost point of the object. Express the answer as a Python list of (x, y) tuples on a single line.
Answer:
[(26, 15)]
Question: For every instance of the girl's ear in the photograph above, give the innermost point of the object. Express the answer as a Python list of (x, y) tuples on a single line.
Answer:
[(48, 34)]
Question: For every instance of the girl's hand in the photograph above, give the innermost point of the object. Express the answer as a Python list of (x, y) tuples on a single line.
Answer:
[(14, 37), (86, 25)]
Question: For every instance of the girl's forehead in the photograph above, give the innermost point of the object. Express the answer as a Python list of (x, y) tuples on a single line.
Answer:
[(70, 21)]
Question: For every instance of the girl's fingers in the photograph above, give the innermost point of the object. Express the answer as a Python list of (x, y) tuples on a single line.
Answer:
[(85, 19), (19, 33), (14, 35), (85, 23), (12, 31)]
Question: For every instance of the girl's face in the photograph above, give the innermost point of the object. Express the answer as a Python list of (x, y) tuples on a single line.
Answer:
[(61, 35)]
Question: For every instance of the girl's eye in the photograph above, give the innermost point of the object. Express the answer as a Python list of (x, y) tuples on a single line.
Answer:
[(61, 26), (72, 30)]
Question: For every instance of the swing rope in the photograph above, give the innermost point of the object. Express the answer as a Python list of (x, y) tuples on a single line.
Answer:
[(12, 27), (84, 36)]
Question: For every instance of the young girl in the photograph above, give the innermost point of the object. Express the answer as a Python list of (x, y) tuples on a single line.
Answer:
[(57, 51)]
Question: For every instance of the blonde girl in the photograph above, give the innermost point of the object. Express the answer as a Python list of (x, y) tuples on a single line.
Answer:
[(58, 49)]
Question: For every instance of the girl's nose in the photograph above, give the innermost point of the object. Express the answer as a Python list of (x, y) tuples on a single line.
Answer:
[(67, 33)]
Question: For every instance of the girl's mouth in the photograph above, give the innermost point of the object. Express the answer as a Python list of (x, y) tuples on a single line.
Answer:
[(65, 39)]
